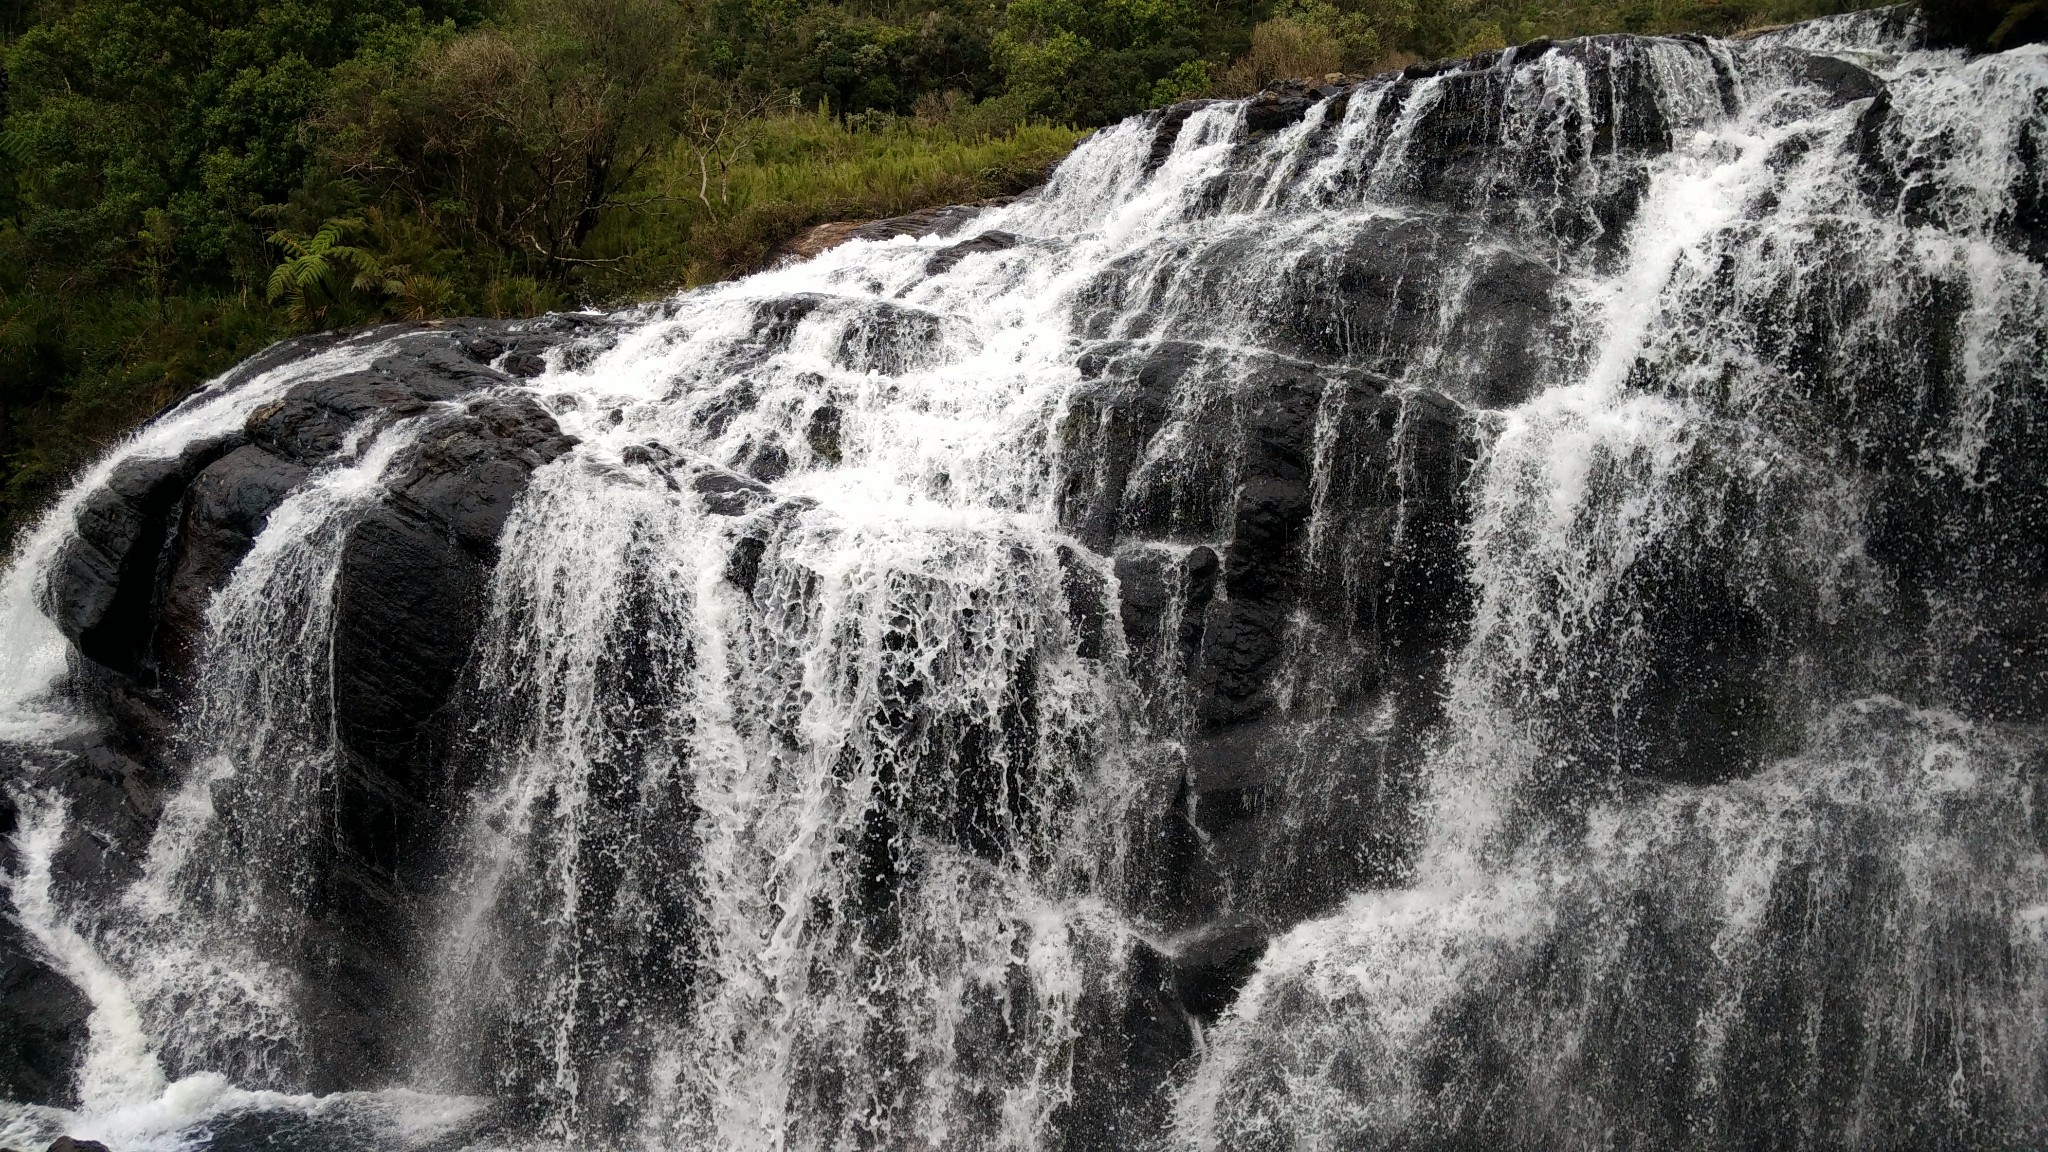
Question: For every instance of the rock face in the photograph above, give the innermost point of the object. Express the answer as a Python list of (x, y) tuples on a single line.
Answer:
[(155, 544), (42, 1016), (1384, 581), (1090, 740), (941, 221)]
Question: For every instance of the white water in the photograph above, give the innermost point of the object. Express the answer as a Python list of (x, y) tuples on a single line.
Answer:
[(849, 857)]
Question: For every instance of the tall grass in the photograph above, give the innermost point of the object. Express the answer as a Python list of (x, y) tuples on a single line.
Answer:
[(699, 224)]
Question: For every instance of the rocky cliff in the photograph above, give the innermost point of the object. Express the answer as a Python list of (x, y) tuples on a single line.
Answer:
[(1247, 646)]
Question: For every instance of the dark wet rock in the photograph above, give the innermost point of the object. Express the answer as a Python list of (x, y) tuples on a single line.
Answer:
[(651, 453), (1506, 305), (755, 535), (103, 587), (1240, 643), (1384, 292), (775, 321), (413, 569), (68, 1144), (433, 365), (43, 1016), (728, 493), (163, 536), (767, 462), (1257, 424), (1880, 176), (471, 468), (525, 365), (821, 432), (1424, 69), (316, 418), (482, 349), (1212, 965), (888, 338), (1174, 442), (1152, 581), (1110, 419), (1171, 121), (1278, 107), (993, 240), (223, 512), (1130, 1044), (412, 588), (723, 403), (743, 563), (1842, 81), (114, 796), (1087, 596)]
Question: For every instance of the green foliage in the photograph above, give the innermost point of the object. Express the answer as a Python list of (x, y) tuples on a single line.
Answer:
[(1311, 38), (803, 169), (319, 271), (1094, 61)]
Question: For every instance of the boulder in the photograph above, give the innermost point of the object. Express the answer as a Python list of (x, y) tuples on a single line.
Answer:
[(1211, 965), (1279, 106), (993, 240), (1277, 648), (163, 535), (103, 585), (1167, 133), (938, 221), (413, 585), (1134, 1034), (224, 511)]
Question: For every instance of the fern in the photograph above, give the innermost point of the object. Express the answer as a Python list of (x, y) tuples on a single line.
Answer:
[(320, 271)]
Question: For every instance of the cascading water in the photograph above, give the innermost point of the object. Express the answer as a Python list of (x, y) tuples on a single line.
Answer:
[(1497, 606)]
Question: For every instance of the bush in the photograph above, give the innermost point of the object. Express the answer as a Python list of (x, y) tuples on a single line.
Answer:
[(1096, 61), (1308, 39)]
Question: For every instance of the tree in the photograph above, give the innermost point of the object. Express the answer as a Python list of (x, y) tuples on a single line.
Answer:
[(718, 126), (520, 137), (1094, 61), (194, 108)]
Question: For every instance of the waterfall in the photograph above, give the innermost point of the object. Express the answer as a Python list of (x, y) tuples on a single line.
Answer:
[(1497, 605)]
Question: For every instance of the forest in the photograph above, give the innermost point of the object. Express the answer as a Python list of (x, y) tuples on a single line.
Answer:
[(185, 181)]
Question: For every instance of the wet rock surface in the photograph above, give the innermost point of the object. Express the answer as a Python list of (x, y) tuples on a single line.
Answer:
[(165, 535), (1313, 519), (1363, 540), (939, 221), (43, 1018)]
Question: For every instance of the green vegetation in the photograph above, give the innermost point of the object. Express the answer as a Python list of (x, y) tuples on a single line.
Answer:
[(184, 181)]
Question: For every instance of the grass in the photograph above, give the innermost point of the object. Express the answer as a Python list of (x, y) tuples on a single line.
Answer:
[(806, 169)]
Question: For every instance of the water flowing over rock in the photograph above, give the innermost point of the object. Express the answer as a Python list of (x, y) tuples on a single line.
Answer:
[(1502, 605)]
